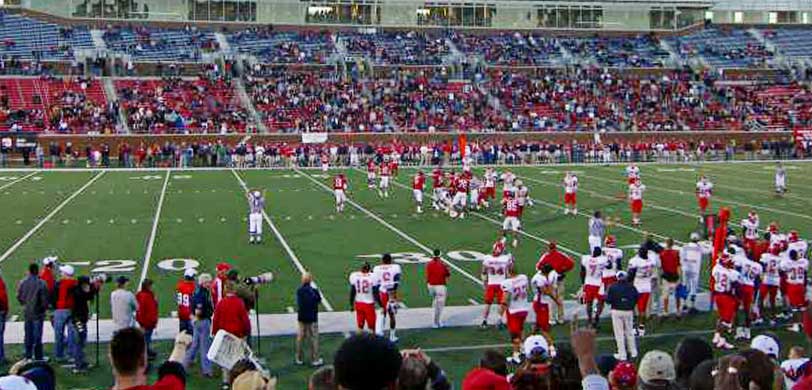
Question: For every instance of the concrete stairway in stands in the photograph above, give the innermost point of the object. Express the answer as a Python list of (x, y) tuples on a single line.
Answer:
[(239, 87), (112, 95), (98, 39)]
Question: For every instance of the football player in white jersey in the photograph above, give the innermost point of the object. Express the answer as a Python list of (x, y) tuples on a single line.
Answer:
[(643, 271), (794, 269), (780, 179), (794, 242), (750, 229), (256, 205), (570, 194), (749, 277), (592, 267), (770, 282), (364, 294), (389, 276), (614, 257), (704, 190), (495, 269), (515, 304), (725, 286), (632, 173), (635, 196), (691, 255), (543, 284), (340, 186)]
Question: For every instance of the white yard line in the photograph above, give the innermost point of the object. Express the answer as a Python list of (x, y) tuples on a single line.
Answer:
[(676, 211), (293, 258), (13, 182), (727, 200), (154, 232), (396, 231), (496, 222), (740, 176), (48, 217)]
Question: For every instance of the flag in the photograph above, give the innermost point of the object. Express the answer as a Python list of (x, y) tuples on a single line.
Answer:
[(462, 141)]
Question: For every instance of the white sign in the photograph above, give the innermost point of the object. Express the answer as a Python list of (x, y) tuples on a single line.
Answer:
[(314, 138)]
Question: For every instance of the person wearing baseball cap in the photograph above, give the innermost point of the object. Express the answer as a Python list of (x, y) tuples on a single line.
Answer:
[(656, 371), (123, 305), (62, 311), (47, 273), (185, 288), (218, 285), (623, 377), (766, 344), (622, 298)]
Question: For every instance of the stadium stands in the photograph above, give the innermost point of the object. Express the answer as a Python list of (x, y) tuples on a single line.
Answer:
[(726, 48), (181, 106), (65, 106), (790, 41), (283, 47), (28, 38), (389, 48), (513, 49), (154, 44)]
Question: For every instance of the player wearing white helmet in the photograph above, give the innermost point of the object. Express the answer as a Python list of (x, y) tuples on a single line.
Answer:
[(780, 179), (725, 286), (570, 194), (256, 206)]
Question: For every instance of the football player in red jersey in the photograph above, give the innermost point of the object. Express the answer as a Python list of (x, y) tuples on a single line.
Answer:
[(184, 291), (340, 186), (438, 191), (418, 183), (372, 170)]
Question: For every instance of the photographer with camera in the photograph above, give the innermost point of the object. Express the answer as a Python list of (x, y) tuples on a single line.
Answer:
[(231, 315), (86, 290)]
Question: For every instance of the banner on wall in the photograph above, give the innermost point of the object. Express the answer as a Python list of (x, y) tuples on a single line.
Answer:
[(314, 138)]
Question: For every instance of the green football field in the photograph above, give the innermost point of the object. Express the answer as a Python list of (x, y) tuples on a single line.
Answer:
[(155, 223)]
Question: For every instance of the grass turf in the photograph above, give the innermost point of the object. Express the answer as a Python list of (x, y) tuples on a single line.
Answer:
[(107, 227)]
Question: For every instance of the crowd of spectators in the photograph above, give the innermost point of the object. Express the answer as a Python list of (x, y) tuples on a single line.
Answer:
[(591, 98), (514, 49), (397, 48), (153, 44), (588, 98), (277, 47), (56, 105), (181, 106)]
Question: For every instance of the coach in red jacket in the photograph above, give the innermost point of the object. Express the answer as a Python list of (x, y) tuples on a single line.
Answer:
[(231, 315), (147, 315), (562, 264)]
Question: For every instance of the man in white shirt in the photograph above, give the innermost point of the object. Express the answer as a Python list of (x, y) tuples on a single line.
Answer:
[(123, 305)]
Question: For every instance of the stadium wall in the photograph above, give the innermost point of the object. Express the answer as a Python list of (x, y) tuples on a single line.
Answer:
[(724, 137)]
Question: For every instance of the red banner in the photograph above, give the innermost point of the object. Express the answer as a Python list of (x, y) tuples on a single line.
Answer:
[(462, 141)]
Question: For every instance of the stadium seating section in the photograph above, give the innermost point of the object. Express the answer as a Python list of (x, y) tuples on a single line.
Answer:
[(151, 44), (494, 97)]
